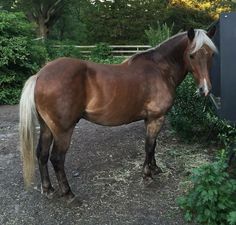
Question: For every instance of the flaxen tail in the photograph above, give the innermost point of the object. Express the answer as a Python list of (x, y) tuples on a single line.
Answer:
[(28, 118)]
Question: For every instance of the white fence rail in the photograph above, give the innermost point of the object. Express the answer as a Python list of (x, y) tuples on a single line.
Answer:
[(117, 50)]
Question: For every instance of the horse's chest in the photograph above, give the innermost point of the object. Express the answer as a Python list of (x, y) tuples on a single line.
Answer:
[(159, 104)]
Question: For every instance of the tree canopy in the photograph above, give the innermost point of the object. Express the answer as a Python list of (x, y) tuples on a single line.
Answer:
[(114, 21)]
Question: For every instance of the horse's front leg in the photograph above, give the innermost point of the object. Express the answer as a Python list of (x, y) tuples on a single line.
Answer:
[(153, 127)]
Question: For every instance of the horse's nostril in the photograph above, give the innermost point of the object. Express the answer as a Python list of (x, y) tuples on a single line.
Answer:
[(201, 90)]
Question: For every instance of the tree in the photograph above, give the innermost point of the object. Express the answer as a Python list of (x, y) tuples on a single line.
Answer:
[(44, 13), (212, 7), (122, 21), (70, 26), (20, 56), (47, 13), (195, 13), (6, 4)]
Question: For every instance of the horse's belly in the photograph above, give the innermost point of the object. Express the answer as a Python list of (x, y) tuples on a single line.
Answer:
[(112, 117)]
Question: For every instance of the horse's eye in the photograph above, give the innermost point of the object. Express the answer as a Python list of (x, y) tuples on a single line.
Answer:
[(191, 56)]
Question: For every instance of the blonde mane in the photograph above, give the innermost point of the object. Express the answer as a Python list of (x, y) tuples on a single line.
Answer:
[(201, 39)]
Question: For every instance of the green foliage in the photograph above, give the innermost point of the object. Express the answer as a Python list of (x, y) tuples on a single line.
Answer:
[(60, 49), (44, 13), (231, 218), (70, 26), (212, 198), (20, 57), (193, 117), (110, 60), (120, 22), (101, 51), (159, 34), (226, 133), (187, 115), (187, 17)]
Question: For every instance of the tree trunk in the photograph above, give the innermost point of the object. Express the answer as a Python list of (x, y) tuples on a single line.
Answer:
[(43, 29)]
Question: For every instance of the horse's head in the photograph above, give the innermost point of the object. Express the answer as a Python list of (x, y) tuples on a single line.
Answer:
[(198, 57)]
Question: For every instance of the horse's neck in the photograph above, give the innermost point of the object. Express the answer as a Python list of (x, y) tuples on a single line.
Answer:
[(172, 54), (178, 74)]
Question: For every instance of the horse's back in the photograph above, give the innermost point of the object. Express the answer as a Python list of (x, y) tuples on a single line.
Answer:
[(62, 67)]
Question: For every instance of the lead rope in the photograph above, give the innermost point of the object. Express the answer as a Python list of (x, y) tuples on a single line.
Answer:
[(211, 128)]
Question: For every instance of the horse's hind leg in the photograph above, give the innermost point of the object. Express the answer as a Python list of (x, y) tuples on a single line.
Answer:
[(60, 147), (45, 141), (153, 127)]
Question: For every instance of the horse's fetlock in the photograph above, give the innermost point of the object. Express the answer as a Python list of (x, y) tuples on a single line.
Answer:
[(147, 171)]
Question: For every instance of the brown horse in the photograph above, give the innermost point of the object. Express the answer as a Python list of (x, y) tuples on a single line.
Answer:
[(141, 88)]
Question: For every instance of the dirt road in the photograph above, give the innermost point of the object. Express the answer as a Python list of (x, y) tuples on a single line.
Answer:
[(104, 169)]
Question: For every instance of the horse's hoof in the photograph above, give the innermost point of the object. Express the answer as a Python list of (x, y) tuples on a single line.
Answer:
[(50, 193), (156, 170), (73, 202), (147, 180), (147, 171)]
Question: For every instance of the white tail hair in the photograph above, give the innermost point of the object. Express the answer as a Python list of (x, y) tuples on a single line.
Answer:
[(28, 117)]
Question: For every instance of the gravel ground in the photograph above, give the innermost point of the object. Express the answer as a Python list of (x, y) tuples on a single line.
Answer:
[(104, 170)]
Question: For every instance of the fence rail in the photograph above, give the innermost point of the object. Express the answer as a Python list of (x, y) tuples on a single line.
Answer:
[(116, 50)]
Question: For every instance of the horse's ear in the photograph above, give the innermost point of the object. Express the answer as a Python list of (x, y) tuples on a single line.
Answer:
[(211, 32), (191, 34)]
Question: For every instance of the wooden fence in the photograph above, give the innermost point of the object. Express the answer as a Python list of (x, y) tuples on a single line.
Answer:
[(117, 50)]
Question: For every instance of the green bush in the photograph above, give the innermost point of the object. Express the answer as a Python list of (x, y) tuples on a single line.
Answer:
[(20, 56), (102, 51), (187, 115), (193, 117), (109, 60), (159, 34), (212, 199), (57, 49), (231, 218)]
